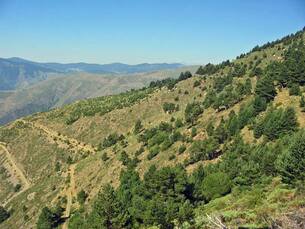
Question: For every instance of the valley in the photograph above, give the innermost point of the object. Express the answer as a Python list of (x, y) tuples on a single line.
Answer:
[(60, 89), (222, 146)]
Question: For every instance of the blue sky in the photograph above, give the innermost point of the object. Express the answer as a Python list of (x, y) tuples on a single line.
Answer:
[(137, 31)]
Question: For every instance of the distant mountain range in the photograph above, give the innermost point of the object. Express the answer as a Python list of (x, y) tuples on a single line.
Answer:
[(19, 73), (27, 87)]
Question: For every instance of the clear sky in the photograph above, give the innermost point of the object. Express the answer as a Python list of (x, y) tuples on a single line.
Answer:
[(137, 31)]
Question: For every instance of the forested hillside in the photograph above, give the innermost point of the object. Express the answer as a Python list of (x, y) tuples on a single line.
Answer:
[(222, 148)]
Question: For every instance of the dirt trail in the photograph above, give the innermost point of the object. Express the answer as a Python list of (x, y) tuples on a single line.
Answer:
[(73, 144), (70, 192), (25, 183), (63, 140), (70, 143)]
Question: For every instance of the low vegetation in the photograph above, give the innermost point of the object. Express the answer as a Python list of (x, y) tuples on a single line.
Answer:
[(225, 145)]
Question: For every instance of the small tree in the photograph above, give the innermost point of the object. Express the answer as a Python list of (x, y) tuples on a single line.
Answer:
[(302, 102), (138, 127), (210, 129), (17, 187), (57, 166), (181, 149), (248, 87), (291, 163), (192, 111), (259, 104), (194, 132), (47, 219), (178, 123), (105, 156), (69, 160), (106, 209), (265, 88), (82, 196), (294, 89), (170, 107), (216, 185), (196, 83), (3, 214)]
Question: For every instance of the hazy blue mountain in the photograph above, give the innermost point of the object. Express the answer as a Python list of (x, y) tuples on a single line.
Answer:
[(19, 73), (118, 68)]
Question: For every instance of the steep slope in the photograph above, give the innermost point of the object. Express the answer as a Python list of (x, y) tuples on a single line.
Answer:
[(233, 118)]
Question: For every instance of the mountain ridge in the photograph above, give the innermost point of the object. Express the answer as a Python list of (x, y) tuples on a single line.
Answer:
[(58, 90), (224, 146)]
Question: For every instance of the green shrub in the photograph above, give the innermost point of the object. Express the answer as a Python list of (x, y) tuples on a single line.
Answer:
[(170, 107), (181, 149), (154, 151), (265, 88), (4, 214), (57, 166), (276, 123), (294, 89), (216, 185), (302, 102), (105, 156), (193, 132), (111, 140), (82, 196), (139, 151), (138, 127), (17, 187), (171, 157), (178, 123), (48, 219), (196, 83), (291, 163), (203, 150), (192, 111)]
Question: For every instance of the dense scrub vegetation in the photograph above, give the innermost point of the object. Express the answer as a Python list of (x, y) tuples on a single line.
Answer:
[(276, 123), (49, 218), (159, 138), (168, 196)]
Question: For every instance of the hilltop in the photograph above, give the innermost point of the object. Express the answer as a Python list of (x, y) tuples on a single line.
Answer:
[(221, 147)]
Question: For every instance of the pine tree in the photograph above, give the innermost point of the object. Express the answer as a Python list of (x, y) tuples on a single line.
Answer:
[(47, 219), (291, 163), (265, 88), (302, 102), (294, 89), (248, 87), (138, 126), (3, 214)]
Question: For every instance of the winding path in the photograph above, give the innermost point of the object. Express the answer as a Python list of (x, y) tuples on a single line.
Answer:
[(16, 170), (70, 193), (62, 139)]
